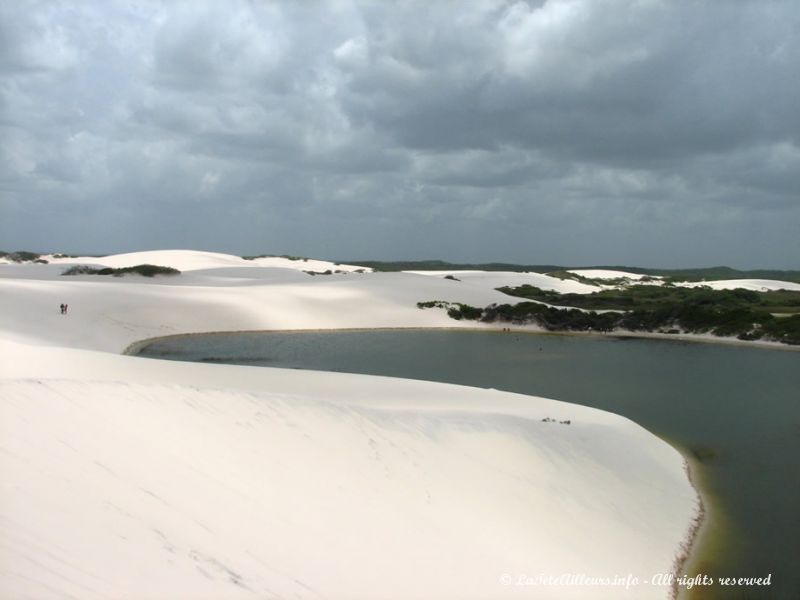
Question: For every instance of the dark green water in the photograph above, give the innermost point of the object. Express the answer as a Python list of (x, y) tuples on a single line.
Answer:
[(736, 409)]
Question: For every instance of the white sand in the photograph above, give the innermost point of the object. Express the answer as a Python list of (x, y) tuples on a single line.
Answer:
[(496, 279), (756, 285), (192, 260), (132, 478)]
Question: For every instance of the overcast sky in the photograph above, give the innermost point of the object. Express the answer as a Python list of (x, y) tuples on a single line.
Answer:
[(638, 132)]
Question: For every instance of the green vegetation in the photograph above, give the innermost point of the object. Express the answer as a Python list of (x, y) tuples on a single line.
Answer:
[(741, 313), (550, 318), (460, 311), (143, 270), (651, 297), (286, 256), (329, 272), (618, 281), (23, 256), (326, 272), (434, 304), (455, 310), (561, 274)]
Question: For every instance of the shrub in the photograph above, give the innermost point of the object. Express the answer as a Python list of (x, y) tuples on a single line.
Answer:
[(143, 270), (23, 256), (81, 270), (464, 311), (433, 304), (785, 329), (146, 270)]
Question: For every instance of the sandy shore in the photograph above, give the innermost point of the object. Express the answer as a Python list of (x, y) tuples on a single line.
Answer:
[(669, 337), (693, 549)]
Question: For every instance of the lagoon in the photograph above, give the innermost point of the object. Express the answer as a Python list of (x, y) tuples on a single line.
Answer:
[(735, 411)]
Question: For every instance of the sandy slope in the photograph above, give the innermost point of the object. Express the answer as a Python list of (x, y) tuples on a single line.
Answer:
[(132, 478), (496, 279), (192, 260), (327, 485), (757, 285)]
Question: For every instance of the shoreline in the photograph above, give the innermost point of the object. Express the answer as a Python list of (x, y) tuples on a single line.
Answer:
[(133, 348), (693, 544)]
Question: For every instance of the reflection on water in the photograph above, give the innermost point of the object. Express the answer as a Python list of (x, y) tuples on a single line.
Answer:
[(735, 409)]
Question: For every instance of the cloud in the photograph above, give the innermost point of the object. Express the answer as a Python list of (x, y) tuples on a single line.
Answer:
[(477, 131)]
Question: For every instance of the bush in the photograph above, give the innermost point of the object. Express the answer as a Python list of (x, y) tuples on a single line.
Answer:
[(23, 256), (464, 311), (81, 270), (287, 256), (433, 304), (143, 270), (785, 329), (146, 270)]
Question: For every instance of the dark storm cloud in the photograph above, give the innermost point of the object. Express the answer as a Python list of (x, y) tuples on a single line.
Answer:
[(568, 131), (645, 81)]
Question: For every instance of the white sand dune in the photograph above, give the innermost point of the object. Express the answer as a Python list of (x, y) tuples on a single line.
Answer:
[(132, 478), (496, 279), (756, 285), (192, 260)]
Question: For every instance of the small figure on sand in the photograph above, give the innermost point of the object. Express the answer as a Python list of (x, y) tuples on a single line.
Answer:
[(64, 308)]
